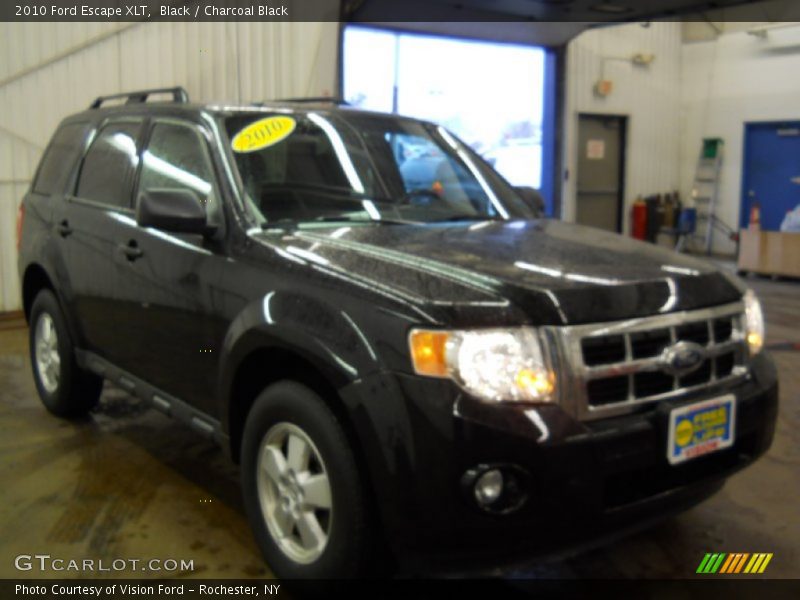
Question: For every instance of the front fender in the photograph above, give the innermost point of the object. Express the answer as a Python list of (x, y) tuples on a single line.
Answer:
[(323, 335)]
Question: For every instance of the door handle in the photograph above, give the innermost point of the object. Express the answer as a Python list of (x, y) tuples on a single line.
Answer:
[(131, 250), (63, 228)]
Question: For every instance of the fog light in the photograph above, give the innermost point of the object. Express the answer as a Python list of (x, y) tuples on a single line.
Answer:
[(489, 487)]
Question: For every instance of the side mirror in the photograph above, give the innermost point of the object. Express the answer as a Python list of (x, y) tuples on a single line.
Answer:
[(175, 210), (532, 199)]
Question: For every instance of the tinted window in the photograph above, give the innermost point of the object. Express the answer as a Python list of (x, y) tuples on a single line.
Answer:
[(176, 157), (107, 168), (59, 158)]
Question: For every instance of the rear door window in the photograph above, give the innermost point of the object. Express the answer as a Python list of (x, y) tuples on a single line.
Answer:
[(109, 165), (59, 158)]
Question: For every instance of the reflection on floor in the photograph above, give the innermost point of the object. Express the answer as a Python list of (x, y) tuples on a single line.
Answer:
[(129, 483)]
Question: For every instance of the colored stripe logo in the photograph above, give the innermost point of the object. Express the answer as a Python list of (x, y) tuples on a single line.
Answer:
[(734, 563)]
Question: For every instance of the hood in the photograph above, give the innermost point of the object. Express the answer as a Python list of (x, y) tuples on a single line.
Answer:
[(554, 272)]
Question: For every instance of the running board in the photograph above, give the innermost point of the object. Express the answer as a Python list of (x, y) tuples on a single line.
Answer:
[(156, 398)]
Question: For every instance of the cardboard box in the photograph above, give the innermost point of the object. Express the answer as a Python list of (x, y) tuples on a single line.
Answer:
[(769, 252)]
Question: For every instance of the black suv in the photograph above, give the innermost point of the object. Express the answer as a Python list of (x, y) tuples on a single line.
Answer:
[(408, 362)]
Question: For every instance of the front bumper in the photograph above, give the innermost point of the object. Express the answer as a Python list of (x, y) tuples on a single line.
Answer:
[(584, 481)]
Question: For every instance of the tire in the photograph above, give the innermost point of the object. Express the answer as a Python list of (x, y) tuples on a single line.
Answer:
[(64, 388), (285, 414)]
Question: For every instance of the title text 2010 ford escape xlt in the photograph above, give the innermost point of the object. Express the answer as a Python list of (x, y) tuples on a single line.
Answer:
[(402, 354)]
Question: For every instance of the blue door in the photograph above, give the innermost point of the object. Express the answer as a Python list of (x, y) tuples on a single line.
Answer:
[(771, 171)]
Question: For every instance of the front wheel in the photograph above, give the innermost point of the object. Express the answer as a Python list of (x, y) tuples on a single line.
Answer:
[(302, 488)]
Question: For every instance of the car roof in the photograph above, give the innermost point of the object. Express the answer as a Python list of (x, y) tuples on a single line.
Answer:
[(222, 109)]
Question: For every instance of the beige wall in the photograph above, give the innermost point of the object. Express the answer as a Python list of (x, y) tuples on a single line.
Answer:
[(648, 96), (704, 82), (729, 81)]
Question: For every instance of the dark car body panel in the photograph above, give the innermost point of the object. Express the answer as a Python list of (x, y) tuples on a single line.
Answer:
[(175, 325), (545, 268), (587, 481)]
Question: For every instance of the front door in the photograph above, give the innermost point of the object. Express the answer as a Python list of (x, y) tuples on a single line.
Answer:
[(178, 322), (601, 143)]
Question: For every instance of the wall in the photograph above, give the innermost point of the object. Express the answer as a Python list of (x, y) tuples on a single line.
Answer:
[(48, 71), (726, 83), (649, 96)]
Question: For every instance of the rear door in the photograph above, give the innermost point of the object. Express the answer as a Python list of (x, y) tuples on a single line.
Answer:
[(94, 219), (178, 326)]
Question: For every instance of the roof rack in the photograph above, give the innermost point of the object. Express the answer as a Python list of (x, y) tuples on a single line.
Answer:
[(311, 100), (140, 96)]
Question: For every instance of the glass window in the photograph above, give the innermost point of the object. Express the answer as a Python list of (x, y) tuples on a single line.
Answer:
[(59, 158), (107, 169), (501, 116), (425, 168), (367, 167), (177, 157)]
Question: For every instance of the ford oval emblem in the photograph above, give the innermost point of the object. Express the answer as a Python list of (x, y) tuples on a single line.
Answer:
[(683, 358)]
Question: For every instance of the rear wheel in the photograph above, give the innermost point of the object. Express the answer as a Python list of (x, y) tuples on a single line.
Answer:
[(65, 389), (302, 488)]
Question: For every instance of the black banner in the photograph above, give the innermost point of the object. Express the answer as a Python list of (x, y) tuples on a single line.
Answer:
[(730, 588), (583, 11)]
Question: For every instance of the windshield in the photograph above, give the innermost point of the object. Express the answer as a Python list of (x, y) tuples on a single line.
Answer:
[(322, 167)]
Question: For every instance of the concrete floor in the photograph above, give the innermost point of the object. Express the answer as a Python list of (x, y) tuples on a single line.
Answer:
[(129, 483)]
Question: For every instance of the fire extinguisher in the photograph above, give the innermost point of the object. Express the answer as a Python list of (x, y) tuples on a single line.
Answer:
[(639, 220)]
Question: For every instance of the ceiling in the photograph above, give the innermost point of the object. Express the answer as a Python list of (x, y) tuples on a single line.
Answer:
[(552, 22)]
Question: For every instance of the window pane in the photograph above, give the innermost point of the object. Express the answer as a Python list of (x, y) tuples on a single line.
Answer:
[(501, 117), (489, 94), (176, 158), (369, 76), (105, 174), (59, 158)]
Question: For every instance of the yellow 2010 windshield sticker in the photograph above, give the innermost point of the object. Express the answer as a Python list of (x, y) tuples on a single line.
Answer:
[(263, 133)]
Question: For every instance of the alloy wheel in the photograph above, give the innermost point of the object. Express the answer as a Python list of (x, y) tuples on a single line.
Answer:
[(294, 492)]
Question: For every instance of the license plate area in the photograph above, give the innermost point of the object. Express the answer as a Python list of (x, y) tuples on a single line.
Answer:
[(701, 428)]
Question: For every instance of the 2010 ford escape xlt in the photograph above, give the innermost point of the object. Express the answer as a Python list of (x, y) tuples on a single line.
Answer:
[(409, 362)]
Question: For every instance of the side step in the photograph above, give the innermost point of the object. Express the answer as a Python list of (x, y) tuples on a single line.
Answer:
[(162, 402)]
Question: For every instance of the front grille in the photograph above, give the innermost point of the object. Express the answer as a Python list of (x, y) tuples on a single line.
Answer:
[(608, 390), (618, 366), (649, 343)]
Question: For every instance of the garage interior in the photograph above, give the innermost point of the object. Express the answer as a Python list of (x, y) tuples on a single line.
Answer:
[(128, 479)]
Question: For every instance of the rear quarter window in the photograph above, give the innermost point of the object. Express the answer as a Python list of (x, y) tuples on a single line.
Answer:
[(59, 158)]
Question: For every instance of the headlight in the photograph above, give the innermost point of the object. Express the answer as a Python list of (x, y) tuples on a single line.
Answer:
[(491, 364), (754, 322)]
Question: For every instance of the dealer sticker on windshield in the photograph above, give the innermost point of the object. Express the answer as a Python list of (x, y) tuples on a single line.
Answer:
[(701, 428), (263, 133)]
